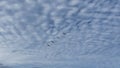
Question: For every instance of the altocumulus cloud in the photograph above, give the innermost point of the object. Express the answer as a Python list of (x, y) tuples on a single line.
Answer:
[(59, 34)]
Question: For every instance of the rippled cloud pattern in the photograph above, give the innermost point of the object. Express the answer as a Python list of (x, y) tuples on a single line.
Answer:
[(59, 33)]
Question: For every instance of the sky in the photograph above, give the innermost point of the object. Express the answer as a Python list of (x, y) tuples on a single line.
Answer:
[(59, 33)]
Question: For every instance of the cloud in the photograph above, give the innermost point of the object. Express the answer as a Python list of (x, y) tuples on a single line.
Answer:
[(59, 33)]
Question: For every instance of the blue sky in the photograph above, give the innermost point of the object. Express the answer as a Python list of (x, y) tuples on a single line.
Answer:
[(59, 34)]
